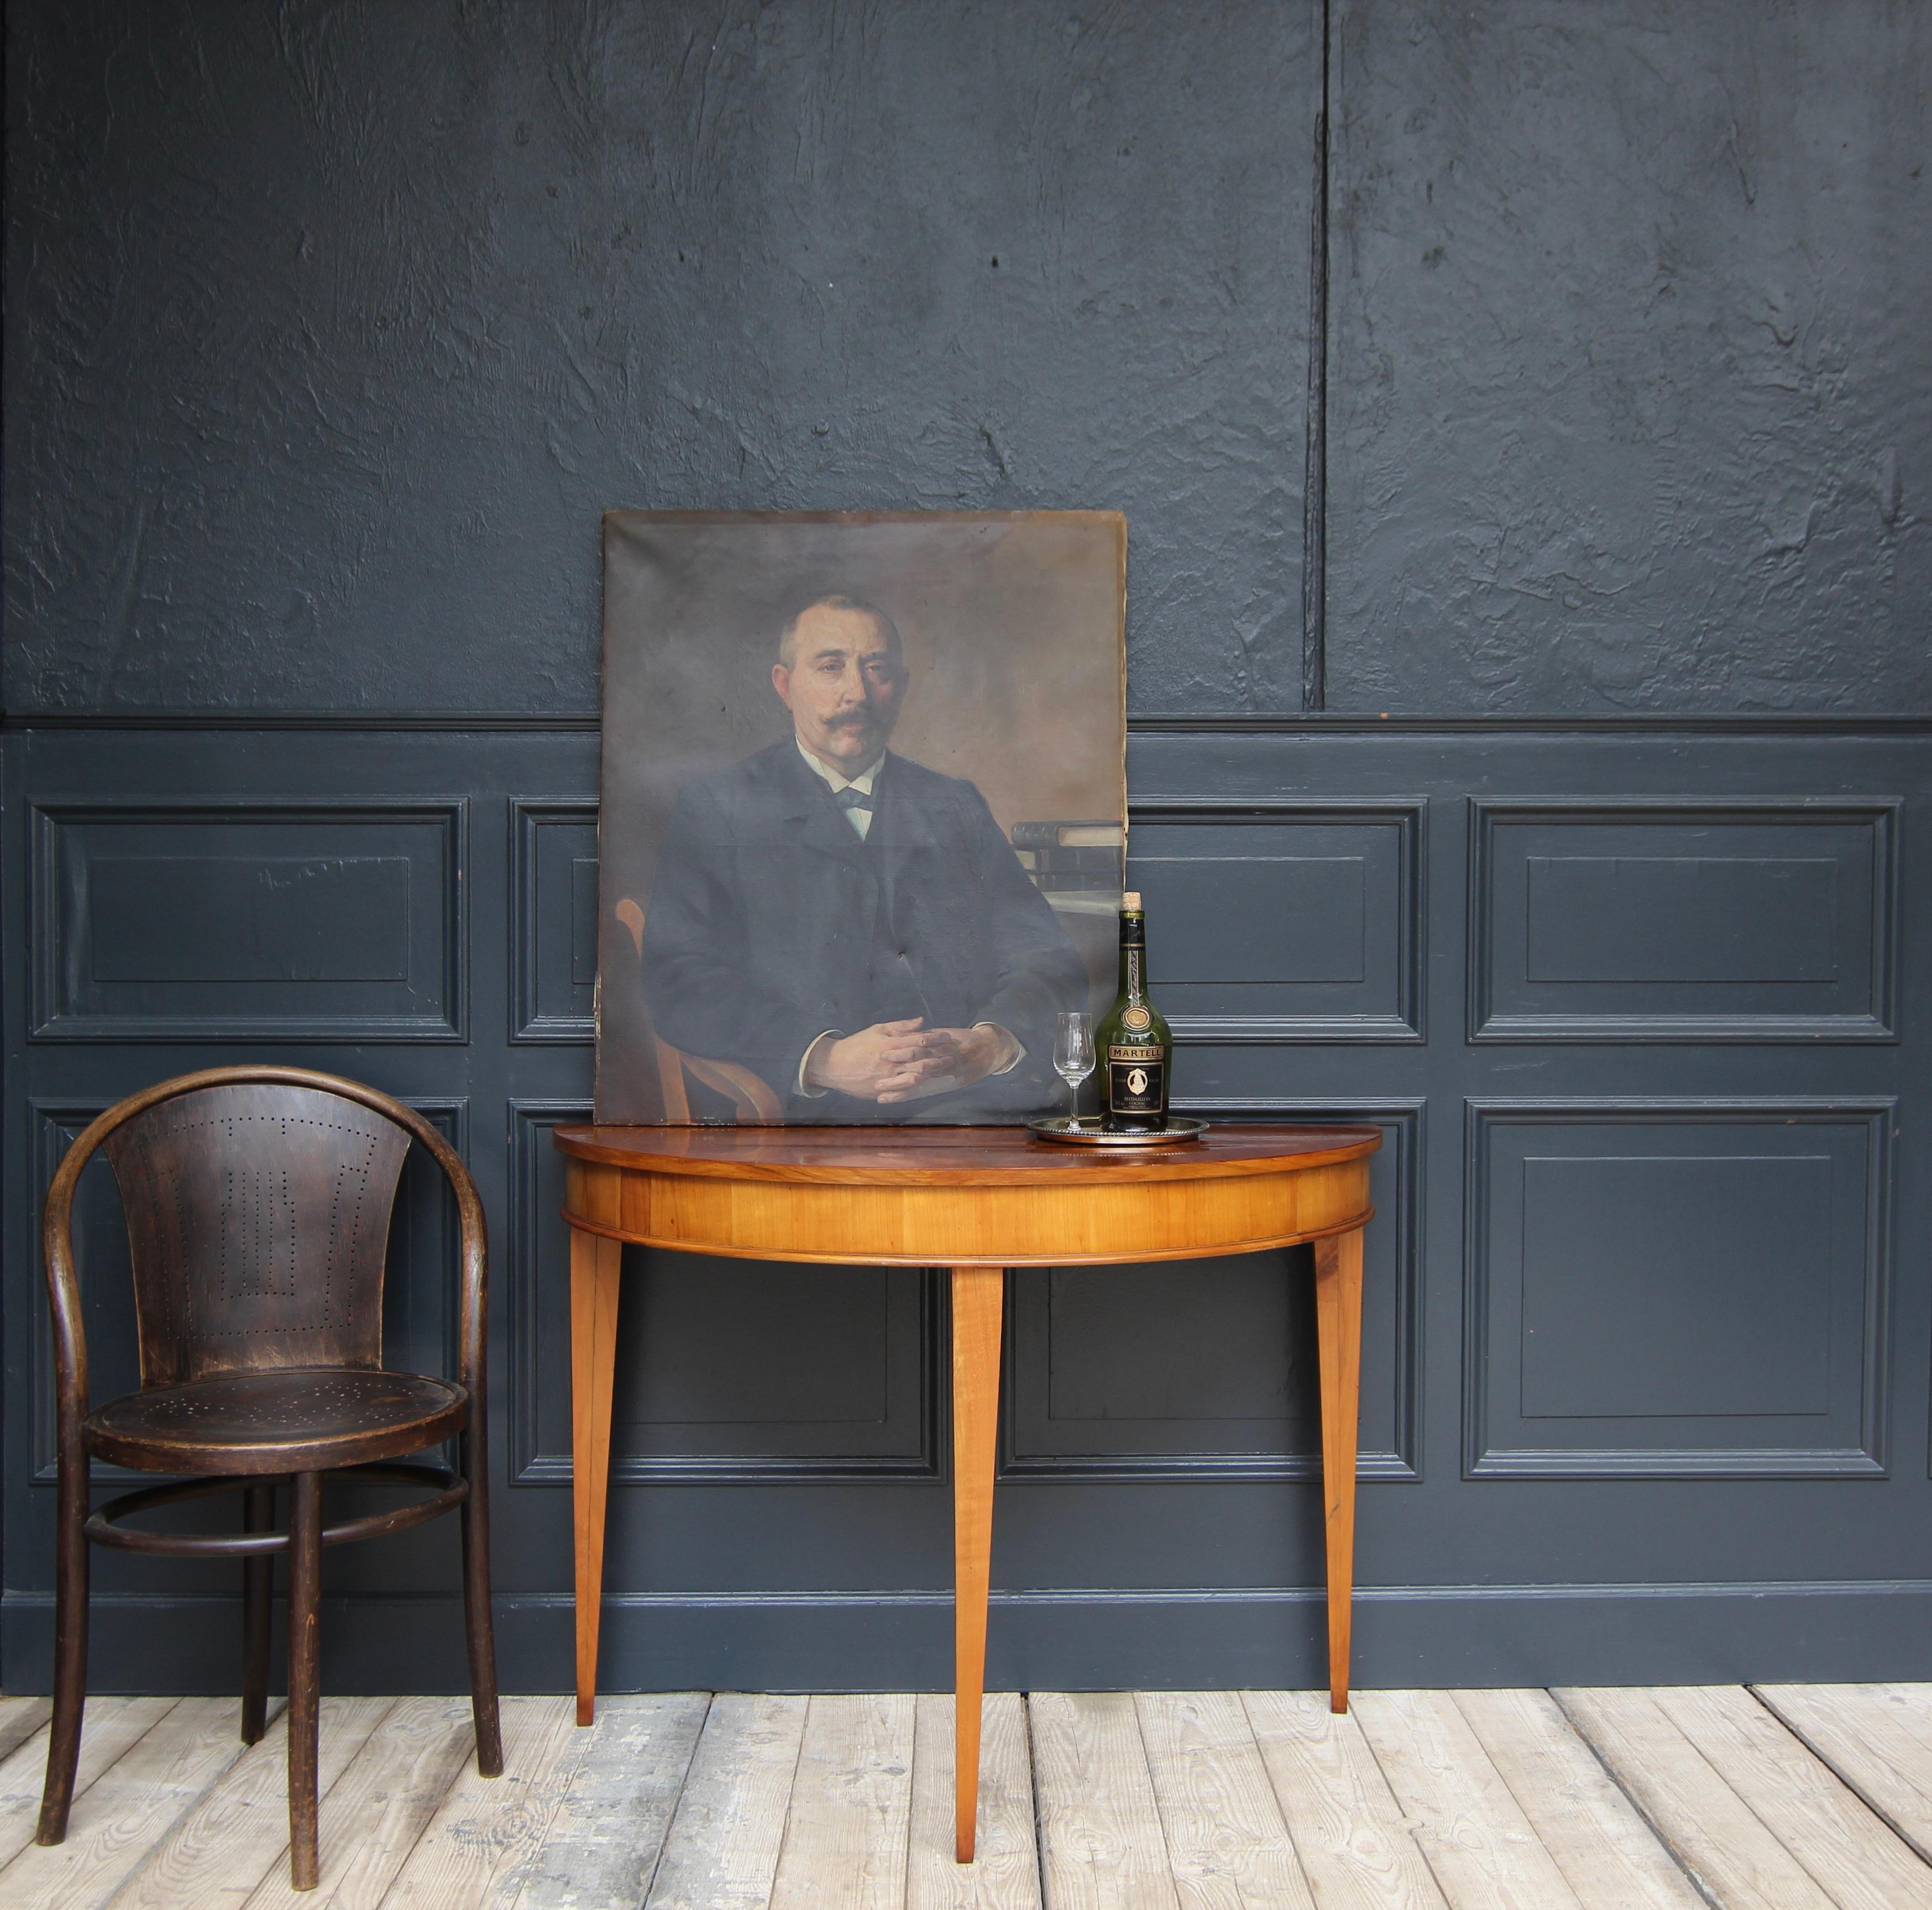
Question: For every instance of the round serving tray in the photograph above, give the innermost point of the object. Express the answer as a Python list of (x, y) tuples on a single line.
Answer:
[(1086, 1132)]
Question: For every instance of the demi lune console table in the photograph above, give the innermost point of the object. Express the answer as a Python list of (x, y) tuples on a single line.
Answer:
[(975, 1200)]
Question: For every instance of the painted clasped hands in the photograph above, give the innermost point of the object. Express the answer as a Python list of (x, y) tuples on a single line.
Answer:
[(894, 1061)]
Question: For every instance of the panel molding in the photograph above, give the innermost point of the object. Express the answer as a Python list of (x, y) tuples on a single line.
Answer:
[(1404, 1115), (1409, 816), (529, 816), (54, 1122), (1882, 813), (1209, 723), (530, 1465), (1483, 1460), (48, 815), (1358, 723)]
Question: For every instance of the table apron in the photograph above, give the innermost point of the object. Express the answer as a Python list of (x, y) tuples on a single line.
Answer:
[(1010, 1224)]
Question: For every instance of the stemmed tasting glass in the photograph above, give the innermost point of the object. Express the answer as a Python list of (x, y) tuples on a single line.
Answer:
[(1073, 1055)]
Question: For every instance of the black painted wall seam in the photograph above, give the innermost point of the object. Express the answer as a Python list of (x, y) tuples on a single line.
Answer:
[(1315, 482)]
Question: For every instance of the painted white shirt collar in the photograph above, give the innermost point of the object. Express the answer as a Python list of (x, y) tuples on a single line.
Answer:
[(862, 784), (861, 820)]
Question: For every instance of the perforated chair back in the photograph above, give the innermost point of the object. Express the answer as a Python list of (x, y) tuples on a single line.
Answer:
[(258, 1223)]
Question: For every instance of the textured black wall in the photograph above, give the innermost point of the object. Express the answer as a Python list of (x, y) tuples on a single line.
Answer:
[(333, 327), (1630, 397)]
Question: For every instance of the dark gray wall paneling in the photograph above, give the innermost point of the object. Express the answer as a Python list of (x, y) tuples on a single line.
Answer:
[(553, 955), (1662, 1288), (232, 920), (1642, 920), (1622, 1449), (1627, 408), (333, 332), (1329, 902)]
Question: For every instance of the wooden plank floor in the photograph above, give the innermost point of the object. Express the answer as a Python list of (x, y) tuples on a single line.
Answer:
[(1785, 1798)]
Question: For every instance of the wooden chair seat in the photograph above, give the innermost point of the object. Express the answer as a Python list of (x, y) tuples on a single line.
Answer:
[(299, 1419)]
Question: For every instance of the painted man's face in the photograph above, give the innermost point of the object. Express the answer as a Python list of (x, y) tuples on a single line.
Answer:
[(844, 686)]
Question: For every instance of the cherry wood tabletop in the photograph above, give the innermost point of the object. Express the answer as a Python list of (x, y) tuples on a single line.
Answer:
[(955, 1156)]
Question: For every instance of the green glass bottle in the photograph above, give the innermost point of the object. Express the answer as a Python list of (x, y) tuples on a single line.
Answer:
[(1132, 1044)]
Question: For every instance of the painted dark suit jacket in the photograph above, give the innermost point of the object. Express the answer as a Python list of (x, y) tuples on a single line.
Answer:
[(770, 918)]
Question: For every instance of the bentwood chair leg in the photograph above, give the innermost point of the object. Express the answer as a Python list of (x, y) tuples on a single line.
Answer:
[(305, 1691), (258, 1582), (69, 1650), (478, 1630)]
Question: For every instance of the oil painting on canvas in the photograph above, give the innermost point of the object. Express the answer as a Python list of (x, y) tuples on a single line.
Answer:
[(863, 811)]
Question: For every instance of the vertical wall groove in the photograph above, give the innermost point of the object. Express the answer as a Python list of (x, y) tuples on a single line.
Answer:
[(1315, 485)]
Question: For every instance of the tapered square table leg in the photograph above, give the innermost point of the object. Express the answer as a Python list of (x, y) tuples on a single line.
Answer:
[(1338, 1321), (979, 1294), (595, 1265)]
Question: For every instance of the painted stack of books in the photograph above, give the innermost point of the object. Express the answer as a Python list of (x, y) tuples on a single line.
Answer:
[(1063, 857)]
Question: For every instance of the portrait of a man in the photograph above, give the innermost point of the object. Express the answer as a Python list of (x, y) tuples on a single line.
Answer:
[(863, 917)]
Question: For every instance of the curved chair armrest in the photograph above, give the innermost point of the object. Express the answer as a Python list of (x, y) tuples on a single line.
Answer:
[(751, 1098), (755, 1104), (70, 1331)]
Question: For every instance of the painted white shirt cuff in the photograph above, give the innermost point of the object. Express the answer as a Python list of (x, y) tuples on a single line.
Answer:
[(1013, 1041), (817, 1042)]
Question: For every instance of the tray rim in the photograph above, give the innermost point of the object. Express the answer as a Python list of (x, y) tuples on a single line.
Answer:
[(1055, 1130)]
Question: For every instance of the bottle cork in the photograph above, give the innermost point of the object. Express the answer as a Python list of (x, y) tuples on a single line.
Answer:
[(1132, 900)]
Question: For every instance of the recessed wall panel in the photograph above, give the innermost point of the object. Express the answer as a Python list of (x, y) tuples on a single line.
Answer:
[(1282, 920), (554, 942), (1654, 920), (241, 920), (1689, 1288)]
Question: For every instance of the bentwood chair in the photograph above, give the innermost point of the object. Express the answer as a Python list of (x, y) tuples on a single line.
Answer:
[(257, 1202)]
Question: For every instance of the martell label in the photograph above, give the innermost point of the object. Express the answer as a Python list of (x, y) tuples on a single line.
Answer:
[(1136, 1079)]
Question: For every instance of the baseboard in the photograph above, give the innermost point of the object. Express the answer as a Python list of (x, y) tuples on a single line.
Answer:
[(1409, 1635)]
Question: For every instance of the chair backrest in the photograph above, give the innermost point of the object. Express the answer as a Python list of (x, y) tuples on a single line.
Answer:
[(258, 1223), (258, 1201)]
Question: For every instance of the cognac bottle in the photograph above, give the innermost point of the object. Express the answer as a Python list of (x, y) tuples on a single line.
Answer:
[(1132, 1043)]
